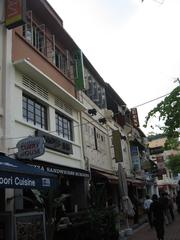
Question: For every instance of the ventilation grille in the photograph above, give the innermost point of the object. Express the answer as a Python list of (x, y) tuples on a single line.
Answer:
[(28, 83), (59, 103)]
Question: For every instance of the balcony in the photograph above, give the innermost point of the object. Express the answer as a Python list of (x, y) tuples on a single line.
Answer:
[(44, 50)]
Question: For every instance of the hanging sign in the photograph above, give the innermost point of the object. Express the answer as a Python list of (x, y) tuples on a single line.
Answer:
[(30, 147), (15, 13), (134, 117)]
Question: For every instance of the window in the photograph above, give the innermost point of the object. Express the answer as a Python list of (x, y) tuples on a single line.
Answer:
[(34, 112), (60, 61), (64, 126), (35, 36)]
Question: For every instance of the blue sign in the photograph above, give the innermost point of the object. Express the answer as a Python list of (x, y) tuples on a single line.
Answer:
[(15, 174)]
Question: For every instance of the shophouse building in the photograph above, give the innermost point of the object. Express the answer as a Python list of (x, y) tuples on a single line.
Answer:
[(133, 146), (159, 155), (38, 99), (97, 127)]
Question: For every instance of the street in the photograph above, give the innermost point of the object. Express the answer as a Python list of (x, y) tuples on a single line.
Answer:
[(172, 231)]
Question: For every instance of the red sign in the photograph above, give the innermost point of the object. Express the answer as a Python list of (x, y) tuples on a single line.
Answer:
[(30, 147), (134, 117), (15, 13)]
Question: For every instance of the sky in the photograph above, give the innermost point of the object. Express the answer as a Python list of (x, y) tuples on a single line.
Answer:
[(134, 46)]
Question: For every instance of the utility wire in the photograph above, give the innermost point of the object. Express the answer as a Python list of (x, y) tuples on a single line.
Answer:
[(152, 100)]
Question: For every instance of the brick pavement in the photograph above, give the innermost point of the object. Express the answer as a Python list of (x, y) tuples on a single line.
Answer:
[(172, 231)]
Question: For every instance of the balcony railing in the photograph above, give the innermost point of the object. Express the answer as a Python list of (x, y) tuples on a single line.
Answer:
[(45, 43)]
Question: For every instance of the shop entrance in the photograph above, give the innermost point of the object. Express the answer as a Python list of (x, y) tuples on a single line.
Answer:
[(5, 226)]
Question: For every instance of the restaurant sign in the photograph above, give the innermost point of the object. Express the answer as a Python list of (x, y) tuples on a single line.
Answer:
[(55, 143), (134, 117), (15, 13), (30, 147), (14, 180)]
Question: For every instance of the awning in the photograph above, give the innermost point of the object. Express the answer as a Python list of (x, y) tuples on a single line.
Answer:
[(16, 174), (136, 182), (109, 177)]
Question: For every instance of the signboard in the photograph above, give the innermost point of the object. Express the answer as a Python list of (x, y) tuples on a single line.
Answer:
[(15, 13), (30, 147), (61, 170), (79, 77), (116, 139), (14, 180), (134, 117), (55, 143), (135, 158), (30, 226)]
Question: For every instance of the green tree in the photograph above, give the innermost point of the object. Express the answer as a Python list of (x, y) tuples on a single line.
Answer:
[(174, 164), (168, 110)]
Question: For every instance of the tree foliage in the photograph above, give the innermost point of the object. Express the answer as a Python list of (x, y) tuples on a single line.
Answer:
[(168, 110), (174, 164)]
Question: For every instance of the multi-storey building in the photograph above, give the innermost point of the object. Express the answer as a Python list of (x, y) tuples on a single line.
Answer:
[(97, 127), (49, 90), (160, 156), (38, 98)]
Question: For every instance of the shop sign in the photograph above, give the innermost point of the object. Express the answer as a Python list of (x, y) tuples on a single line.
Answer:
[(62, 171), (15, 13), (135, 157), (19, 181), (116, 139), (55, 143), (134, 117), (30, 147)]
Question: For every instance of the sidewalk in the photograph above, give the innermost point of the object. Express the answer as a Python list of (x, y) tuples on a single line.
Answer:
[(144, 232)]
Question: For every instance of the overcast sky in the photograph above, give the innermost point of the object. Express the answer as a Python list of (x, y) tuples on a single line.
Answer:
[(134, 46)]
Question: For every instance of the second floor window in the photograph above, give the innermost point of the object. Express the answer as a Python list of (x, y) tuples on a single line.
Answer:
[(60, 61), (34, 112), (64, 126)]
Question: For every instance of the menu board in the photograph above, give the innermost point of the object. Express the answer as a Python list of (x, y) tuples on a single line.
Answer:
[(30, 226)]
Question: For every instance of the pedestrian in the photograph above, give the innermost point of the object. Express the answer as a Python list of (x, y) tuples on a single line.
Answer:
[(147, 204), (178, 201), (165, 204), (171, 206), (157, 216)]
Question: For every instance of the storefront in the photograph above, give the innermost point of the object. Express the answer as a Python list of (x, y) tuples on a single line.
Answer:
[(15, 175), (104, 186), (71, 181), (137, 193)]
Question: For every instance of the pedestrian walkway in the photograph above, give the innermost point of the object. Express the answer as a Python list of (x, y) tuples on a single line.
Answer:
[(172, 231)]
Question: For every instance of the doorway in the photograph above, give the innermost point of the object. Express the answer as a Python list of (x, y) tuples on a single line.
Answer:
[(5, 226)]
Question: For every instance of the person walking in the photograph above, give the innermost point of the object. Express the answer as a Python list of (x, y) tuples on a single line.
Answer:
[(157, 217), (178, 201), (165, 204), (147, 204), (171, 207)]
